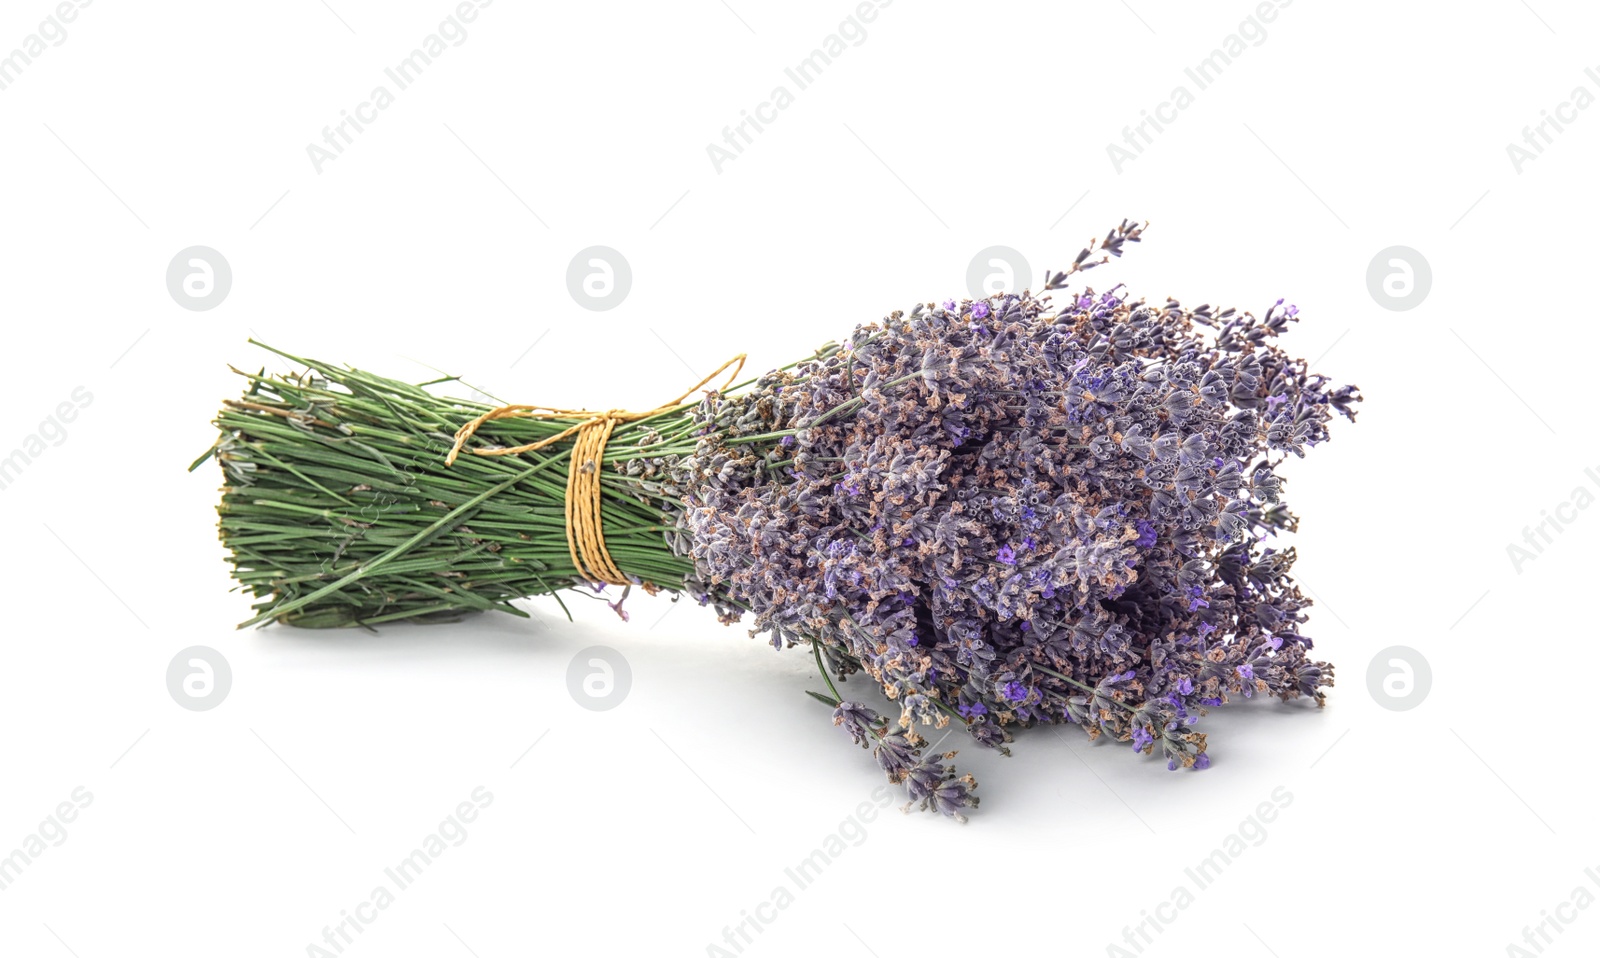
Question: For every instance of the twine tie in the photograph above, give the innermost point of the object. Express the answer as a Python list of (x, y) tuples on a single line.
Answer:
[(586, 541)]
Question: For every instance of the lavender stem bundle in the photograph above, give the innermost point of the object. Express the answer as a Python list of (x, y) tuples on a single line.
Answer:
[(1004, 511)]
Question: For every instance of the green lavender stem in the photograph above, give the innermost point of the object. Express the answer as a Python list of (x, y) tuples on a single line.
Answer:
[(339, 510)]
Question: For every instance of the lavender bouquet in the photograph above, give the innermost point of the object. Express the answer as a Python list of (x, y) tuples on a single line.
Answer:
[(1006, 512)]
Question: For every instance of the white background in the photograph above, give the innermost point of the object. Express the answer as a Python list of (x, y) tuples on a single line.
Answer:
[(441, 238)]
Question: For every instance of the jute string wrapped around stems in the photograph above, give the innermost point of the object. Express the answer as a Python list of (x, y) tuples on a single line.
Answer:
[(586, 539)]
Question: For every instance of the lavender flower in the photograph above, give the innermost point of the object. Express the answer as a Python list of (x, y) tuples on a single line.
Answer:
[(1128, 447)]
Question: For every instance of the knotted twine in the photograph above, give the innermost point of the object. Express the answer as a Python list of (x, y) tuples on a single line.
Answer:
[(586, 541)]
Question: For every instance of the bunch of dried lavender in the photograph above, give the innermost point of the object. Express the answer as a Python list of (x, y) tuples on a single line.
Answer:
[(1003, 512)]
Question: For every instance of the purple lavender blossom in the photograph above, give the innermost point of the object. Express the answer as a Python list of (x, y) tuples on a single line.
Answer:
[(1127, 446)]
